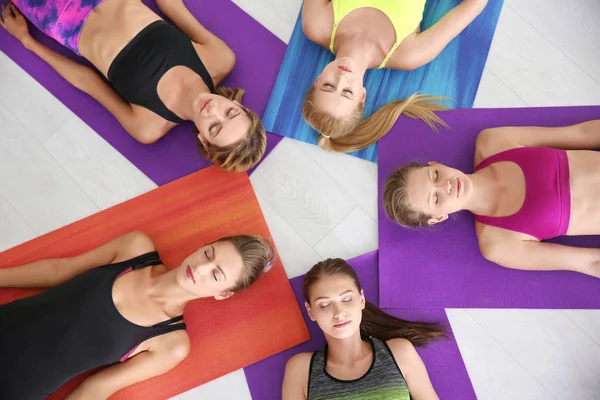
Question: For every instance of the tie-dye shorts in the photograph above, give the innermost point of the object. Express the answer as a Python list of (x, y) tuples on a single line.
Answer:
[(62, 20)]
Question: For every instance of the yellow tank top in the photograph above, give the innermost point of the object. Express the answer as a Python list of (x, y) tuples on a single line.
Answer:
[(405, 16)]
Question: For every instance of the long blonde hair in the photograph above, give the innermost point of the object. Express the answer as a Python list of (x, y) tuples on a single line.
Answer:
[(351, 134), (244, 154)]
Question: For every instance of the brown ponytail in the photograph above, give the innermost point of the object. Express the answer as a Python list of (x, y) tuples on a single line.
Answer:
[(351, 134), (374, 322), (245, 154)]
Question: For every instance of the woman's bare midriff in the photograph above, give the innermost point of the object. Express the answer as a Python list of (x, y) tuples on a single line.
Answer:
[(110, 27)]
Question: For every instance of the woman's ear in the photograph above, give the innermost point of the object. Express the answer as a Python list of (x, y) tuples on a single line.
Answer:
[(310, 314), (433, 221), (363, 301), (363, 96), (203, 141), (224, 295)]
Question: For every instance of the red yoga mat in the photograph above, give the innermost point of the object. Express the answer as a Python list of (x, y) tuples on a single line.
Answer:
[(180, 217)]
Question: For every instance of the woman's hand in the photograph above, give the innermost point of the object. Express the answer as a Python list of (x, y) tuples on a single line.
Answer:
[(15, 23)]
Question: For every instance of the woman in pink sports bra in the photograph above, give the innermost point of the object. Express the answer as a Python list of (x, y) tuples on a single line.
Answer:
[(530, 184)]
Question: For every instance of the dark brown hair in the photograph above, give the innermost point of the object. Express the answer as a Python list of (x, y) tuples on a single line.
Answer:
[(395, 199), (351, 133), (246, 153), (375, 322), (257, 254)]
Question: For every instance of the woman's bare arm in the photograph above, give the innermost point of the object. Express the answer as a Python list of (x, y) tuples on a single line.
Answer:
[(585, 135), (317, 21), (415, 373), (510, 249), (295, 380), (172, 348), (427, 45), (52, 272)]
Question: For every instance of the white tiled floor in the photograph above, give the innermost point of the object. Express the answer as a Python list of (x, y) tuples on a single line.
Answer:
[(55, 170)]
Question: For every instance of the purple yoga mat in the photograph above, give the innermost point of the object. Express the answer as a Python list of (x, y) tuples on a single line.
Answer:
[(442, 266), (442, 358), (259, 54)]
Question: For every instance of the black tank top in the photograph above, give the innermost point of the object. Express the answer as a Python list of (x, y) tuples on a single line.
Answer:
[(49, 338), (136, 70)]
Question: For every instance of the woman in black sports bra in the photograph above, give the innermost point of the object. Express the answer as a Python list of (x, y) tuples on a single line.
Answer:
[(160, 75), (125, 313)]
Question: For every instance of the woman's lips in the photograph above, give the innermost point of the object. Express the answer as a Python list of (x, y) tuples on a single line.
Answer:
[(204, 104), (458, 187), (190, 275), (341, 324), (344, 68)]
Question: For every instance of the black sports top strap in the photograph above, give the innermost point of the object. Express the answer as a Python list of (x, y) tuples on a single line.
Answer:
[(137, 69), (169, 322), (145, 260)]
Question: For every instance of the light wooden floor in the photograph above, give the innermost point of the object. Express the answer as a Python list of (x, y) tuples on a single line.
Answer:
[(54, 170)]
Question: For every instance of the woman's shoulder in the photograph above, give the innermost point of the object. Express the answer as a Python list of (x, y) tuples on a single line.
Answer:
[(400, 347), (317, 22), (299, 362), (135, 244)]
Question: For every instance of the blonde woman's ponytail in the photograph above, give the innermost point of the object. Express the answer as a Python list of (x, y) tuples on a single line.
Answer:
[(353, 134)]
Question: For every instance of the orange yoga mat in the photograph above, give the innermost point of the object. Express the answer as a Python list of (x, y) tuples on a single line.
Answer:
[(182, 216)]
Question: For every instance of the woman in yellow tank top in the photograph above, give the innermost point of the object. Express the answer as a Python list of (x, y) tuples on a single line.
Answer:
[(365, 34)]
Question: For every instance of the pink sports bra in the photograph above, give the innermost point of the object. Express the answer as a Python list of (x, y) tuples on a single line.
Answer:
[(546, 209)]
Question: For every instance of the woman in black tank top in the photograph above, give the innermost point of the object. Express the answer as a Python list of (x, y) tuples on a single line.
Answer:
[(369, 355), (116, 305), (160, 75)]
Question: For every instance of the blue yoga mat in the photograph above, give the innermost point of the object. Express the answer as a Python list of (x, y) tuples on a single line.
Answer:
[(455, 73)]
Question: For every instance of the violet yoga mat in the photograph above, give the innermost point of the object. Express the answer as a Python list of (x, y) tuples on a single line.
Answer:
[(259, 54), (441, 267), (442, 358), (455, 73)]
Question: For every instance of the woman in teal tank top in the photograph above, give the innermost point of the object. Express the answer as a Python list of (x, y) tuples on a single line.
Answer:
[(367, 34), (369, 355)]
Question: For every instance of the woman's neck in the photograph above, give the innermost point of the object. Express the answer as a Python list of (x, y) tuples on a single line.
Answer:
[(484, 199), (182, 93), (348, 351), (363, 52), (167, 293)]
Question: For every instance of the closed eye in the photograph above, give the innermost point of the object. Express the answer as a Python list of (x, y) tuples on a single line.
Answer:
[(327, 87), (324, 305), (436, 175), (436, 199), (232, 113)]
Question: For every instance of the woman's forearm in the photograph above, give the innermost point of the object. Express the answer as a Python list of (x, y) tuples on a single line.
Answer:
[(38, 274), (73, 72)]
